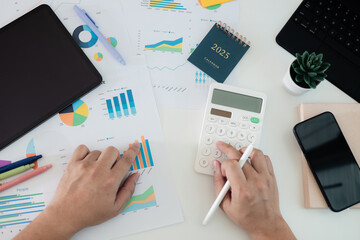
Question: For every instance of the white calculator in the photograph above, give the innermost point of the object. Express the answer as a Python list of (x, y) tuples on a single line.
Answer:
[(232, 115)]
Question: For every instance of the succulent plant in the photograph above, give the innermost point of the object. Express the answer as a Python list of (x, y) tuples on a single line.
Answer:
[(310, 68)]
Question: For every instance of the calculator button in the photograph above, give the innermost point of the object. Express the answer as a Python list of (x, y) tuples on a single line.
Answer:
[(252, 138), (245, 118), (212, 119), (206, 151), (244, 125), (217, 153), (210, 129), (231, 133), (233, 124), (241, 135), (204, 162), (223, 121), (220, 131), (209, 140), (255, 120), (238, 146), (254, 128)]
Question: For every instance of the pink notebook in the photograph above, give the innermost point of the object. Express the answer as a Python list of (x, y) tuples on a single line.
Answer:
[(347, 115)]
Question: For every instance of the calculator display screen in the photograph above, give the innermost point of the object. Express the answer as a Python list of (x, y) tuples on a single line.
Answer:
[(236, 100)]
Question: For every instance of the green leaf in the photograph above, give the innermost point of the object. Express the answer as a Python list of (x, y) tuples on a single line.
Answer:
[(324, 67), (319, 79), (305, 56), (316, 68), (302, 68), (312, 85), (320, 56), (307, 79), (298, 71), (295, 64), (312, 74), (299, 78), (298, 58), (308, 64)]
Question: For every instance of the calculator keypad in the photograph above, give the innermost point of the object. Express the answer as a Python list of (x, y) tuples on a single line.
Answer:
[(237, 133)]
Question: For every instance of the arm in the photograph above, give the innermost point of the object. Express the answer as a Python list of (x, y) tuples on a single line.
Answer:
[(88, 194), (253, 202)]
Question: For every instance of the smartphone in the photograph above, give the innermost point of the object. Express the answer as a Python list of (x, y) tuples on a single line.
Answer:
[(330, 160)]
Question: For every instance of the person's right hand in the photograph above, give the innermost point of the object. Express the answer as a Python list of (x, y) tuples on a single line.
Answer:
[(253, 202)]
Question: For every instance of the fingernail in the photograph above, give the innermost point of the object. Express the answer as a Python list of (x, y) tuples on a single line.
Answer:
[(136, 144), (216, 166)]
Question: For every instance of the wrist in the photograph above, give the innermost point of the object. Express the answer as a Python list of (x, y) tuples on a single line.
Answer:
[(278, 230), (59, 224)]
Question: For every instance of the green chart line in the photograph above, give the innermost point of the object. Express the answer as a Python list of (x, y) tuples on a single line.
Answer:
[(21, 205), (20, 196), (18, 220)]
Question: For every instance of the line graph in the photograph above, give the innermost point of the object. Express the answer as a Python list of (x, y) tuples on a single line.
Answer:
[(167, 68)]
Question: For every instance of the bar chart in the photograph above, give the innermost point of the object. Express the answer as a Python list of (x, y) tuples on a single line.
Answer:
[(145, 200), (166, 4), (17, 209), (121, 105), (144, 159)]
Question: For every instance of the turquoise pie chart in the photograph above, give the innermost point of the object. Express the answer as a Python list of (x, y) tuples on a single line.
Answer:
[(76, 36)]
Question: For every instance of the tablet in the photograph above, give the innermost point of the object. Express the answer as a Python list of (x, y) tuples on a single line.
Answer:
[(42, 71)]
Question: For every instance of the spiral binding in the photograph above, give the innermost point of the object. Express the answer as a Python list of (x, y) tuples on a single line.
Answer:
[(230, 32)]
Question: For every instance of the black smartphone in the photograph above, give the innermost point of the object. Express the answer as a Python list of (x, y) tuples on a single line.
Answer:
[(330, 160)]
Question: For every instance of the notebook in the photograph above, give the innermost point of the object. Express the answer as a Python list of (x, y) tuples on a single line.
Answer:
[(219, 52), (347, 116)]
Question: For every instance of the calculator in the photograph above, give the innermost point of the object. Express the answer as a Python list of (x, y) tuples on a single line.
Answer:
[(232, 115)]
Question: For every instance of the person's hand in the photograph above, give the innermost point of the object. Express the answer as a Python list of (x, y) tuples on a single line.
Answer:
[(253, 202), (88, 194)]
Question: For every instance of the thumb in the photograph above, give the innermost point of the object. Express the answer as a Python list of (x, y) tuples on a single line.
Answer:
[(126, 191), (219, 182)]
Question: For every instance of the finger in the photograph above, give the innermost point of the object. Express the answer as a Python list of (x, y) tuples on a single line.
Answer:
[(269, 165), (126, 191), (249, 171), (228, 150), (232, 171), (80, 153), (219, 182), (258, 161), (108, 157), (93, 156), (122, 167)]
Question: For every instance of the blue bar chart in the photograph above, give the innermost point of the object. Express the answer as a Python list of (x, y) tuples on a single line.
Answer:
[(110, 109), (122, 104)]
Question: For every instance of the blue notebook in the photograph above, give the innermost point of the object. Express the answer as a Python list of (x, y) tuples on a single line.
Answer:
[(219, 52)]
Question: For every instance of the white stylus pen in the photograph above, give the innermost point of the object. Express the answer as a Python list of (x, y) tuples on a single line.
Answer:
[(226, 187)]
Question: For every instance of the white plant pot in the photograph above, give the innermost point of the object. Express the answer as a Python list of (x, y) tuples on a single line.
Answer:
[(291, 86)]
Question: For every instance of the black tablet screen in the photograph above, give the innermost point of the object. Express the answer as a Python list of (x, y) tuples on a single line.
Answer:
[(42, 70)]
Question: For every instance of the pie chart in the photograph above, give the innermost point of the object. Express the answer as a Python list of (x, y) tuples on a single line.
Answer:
[(98, 57), (75, 114)]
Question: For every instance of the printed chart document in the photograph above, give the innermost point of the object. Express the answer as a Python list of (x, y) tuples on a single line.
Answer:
[(167, 32), (120, 111)]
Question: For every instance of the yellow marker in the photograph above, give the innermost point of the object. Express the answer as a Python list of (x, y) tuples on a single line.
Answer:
[(208, 3)]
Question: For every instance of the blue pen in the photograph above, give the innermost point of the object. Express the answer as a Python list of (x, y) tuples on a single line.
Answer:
[(19, 163), (92, 25)]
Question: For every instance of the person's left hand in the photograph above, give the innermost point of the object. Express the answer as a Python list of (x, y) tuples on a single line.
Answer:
[(89, 192)]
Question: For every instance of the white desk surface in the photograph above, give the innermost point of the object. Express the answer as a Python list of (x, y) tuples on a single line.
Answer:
[(262, 69)]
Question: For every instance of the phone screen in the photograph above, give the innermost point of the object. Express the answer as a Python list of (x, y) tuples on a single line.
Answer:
[(330, 159)]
